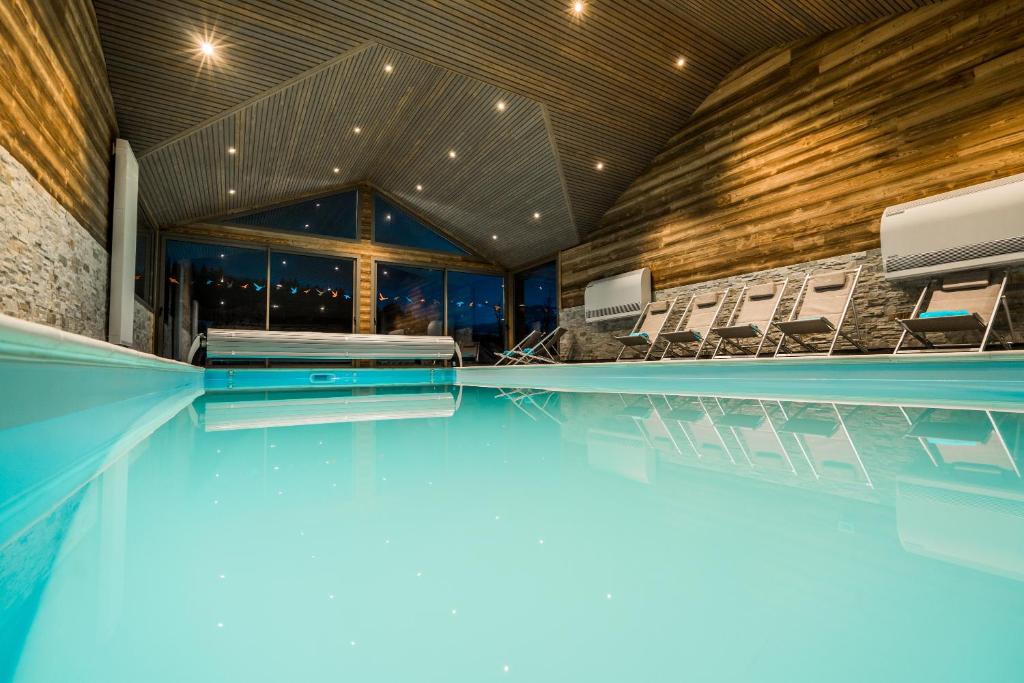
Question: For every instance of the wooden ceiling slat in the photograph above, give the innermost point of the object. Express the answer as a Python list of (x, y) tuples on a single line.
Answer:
[(286, 91)]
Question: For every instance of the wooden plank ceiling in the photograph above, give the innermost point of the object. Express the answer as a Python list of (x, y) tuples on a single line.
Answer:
[(290, 79)]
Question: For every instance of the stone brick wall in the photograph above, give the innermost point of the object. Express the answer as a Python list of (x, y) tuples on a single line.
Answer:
[(877, 301), (52, 270), (144, 329)]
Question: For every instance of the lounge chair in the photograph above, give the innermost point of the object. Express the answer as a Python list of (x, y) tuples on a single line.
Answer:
[(961, 303), (514, 355), (546, 350), (751, 317), (644, 335), (823, 439), (695, 324), (820, 308)]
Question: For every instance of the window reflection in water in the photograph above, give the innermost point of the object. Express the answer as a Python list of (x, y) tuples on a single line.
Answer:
[(310, 293), (409, 300)]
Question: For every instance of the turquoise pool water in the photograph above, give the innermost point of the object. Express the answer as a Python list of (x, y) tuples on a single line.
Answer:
[(446, 534)]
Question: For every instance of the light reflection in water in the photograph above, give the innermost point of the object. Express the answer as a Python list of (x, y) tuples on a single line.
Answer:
[(742, 539)]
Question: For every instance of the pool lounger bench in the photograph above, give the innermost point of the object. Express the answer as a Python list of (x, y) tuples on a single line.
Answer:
[(226, 345)]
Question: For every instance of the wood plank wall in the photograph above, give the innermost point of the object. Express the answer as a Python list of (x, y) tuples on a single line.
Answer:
[(796, 155), (366, 252), (56, 112)]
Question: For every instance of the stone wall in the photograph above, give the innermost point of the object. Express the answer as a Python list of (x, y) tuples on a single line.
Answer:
[(144, 329), (52, 270), (878, 302)]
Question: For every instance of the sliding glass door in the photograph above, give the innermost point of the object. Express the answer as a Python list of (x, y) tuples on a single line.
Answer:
[(209, 285), (536, 299), (409, 300), (476, 313)]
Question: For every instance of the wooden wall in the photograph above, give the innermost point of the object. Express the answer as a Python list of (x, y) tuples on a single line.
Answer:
[(795, 155), (366, 252), (56, 112)]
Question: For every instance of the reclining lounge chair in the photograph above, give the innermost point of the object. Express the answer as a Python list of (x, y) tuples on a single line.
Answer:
[(962, 303), (644, 335), (514, 355), (695, 325), (546, 350), (751, 317), (820, 309)]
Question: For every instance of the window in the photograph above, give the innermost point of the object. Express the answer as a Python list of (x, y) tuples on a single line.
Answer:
[(143, 252), (409, 300), (310, 293), (476, 312), (536, 299), (213, 285), (392, 225), (332, 216)]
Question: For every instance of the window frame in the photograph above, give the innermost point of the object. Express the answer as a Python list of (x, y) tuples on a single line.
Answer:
[(376, 262), (266, 248), (470, 253), (354, 189)]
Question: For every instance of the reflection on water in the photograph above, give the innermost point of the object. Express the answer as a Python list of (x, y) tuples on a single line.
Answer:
[(479, 534)]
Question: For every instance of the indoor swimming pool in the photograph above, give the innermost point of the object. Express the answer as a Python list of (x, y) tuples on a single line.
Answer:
[(445, 533)]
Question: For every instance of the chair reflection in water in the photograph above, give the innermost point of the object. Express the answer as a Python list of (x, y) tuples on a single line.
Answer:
[(752, 427), (824, 440), (966, 441)]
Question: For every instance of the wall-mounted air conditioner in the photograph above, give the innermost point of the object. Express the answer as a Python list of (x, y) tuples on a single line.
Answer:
[(975, 227), (621, 296)]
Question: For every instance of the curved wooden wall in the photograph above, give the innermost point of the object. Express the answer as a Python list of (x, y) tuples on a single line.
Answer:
[(795, 156)]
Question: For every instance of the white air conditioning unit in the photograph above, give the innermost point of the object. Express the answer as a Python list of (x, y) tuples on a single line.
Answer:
[(975, 227), (621, 296)]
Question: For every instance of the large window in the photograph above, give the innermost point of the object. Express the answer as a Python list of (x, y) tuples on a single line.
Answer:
[(409, 300), (210, 285), (476, 312), (536, 299), (310, 293), (392, 225), (332, 216)]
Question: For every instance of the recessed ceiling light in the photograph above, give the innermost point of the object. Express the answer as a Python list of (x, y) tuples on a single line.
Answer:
[(451, 154), (500, 106), (357, 130), (599, 166), (536, 215), (388, 68), (207, 48), (494, 237), (419, 188), (231, 150), (681, 62), (337, 170), (578, 7), (231, 191)]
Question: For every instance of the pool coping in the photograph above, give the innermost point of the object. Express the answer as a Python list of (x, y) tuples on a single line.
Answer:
[(989, 378), (29, 341)]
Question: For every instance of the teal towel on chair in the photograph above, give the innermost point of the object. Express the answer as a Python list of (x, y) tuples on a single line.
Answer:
[(645, 336), (528, 350), (943, 314)]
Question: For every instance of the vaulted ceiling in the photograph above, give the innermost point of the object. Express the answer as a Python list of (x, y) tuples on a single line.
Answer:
[(290, 80)]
